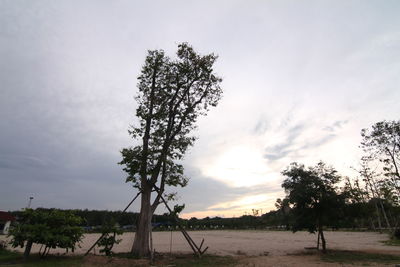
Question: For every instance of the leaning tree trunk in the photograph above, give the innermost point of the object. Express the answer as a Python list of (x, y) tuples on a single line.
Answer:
[(28, 248), (141, 245)]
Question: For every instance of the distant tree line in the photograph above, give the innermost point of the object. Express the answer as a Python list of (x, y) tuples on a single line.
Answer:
[(92, 220), (356, 216)]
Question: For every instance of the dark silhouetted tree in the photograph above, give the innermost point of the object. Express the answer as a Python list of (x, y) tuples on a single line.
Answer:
[(313, 195), (382, 143)]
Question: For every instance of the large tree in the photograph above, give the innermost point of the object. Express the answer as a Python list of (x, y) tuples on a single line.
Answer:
[(382, 143), (314, 197), (173, 93), (381, 166)]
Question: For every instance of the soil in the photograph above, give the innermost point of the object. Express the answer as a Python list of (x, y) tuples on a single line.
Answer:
[(252, 248)]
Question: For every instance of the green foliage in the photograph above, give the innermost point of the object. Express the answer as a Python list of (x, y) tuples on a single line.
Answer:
[(172, 95), (109, 232), (283, 213), (52, 228)]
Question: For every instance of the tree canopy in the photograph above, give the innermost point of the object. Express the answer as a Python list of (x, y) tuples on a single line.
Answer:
[(51, 228), (313, 194), (382, 143)]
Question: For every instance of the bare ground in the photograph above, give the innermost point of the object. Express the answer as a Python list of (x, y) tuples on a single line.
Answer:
[(254, 248)]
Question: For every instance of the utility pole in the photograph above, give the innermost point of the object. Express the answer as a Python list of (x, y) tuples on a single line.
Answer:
[(29, 203)]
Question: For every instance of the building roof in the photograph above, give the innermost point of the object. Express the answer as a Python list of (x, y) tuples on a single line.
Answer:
[(6, 216)]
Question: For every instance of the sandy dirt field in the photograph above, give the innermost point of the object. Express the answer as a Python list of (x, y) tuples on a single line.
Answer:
[(271, 248)]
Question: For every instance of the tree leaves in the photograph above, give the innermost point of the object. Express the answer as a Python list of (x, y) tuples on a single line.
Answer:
[(173, 93), (313, 193), (52, 228)]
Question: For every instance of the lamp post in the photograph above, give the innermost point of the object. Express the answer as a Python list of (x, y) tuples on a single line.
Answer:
[(30, 202)]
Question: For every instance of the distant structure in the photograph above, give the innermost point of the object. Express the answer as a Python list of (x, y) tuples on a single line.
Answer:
[(5, 221), (29, 203)]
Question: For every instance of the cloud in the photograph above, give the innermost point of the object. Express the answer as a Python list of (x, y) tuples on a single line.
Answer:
[(261, 127), (337, 125), (299, 94), (21, 162), (209, 197), (285, 147), (318, 141)]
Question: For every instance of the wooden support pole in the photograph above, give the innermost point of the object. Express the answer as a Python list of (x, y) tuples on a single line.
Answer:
[(190, 241), (202, 241), (187, 237), (98, 240), (130, 203), (197, 251)]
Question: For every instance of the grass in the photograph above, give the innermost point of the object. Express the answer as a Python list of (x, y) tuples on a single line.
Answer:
[(187, 260), (205, 260), (341, 256), (14, 259), (392, 242), (10, 258)]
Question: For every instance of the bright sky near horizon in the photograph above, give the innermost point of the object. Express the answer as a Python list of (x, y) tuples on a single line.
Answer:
[(301, 79)]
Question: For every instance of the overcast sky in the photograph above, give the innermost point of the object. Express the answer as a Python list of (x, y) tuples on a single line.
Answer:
[(301, 79)]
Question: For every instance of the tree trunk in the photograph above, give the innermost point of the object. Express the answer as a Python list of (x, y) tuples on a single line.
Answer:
[(379, 217), (141, 246), (28, 248), (322, 240), (372, 223)]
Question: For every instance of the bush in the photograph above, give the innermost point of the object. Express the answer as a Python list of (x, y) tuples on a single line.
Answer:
[(109, 232), (51, 228)]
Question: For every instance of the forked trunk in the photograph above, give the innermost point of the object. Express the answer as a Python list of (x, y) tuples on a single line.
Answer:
[(141, 245)]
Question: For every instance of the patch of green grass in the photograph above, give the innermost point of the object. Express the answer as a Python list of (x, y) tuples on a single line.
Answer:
[(6, 255), (125, 255), (205, 260), (341, 256), (186, 260), (10, 258), (392, 242)]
